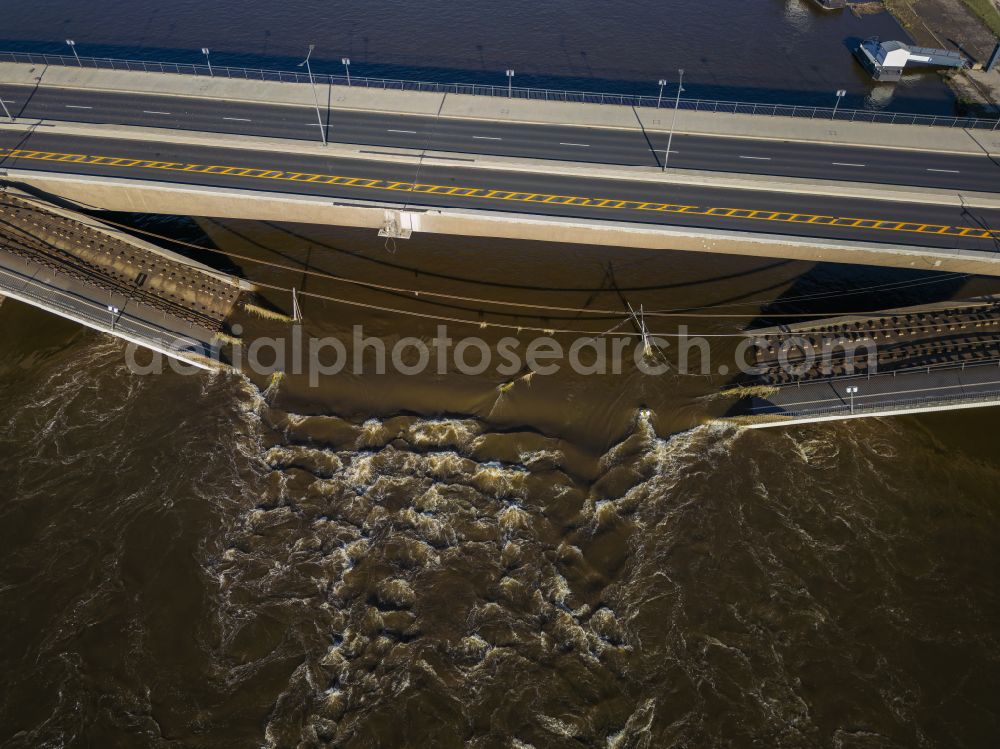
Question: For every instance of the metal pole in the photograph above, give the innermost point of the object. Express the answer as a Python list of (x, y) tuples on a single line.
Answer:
[(840, 95), (660, 97), (319, 117), (510, 84), (347, 66), (851, 391), (6, 111), (208, 59), (673, 123), (72, 46)]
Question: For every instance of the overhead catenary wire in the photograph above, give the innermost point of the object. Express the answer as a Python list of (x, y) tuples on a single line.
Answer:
[(531, 328), (416, 293)]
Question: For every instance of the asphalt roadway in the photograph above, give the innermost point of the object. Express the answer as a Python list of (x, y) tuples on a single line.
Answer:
[(484, 137), (454, 184), (884, 392)]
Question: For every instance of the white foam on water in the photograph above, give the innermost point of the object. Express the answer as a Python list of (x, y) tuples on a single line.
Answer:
[(440, 433)]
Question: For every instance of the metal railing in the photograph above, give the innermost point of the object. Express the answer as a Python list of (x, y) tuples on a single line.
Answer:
[(538, 94), (869, 375), (930, 401), (866, 403)]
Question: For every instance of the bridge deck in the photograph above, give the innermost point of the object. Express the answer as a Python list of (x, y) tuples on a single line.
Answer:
[(70, 265)]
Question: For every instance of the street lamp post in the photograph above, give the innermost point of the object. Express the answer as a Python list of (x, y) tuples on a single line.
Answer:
[(208, 59), (510, 84), (663, 82), (72, 46), (319, 117), (6, 111), (347, 66), (840, 95), (851, 391), (673, 123)]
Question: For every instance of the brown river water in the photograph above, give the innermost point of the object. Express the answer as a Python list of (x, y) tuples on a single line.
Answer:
[(213, 561), (445, 560)]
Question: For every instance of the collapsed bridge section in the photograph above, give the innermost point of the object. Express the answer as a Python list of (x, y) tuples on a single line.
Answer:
[(77, 267)]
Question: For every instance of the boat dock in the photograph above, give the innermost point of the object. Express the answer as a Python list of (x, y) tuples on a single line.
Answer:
[(886, 61)]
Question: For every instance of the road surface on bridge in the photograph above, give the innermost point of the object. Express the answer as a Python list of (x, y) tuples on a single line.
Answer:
[(571, 143), (437, 183)]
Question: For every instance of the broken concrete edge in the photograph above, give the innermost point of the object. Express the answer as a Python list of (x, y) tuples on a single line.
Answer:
[(679, 177)]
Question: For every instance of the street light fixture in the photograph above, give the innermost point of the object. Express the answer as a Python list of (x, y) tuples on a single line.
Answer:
[(347, 66), (319, 118), (851, 391), (840, 95), (208, 59), (663, 82), (673, 123), (510, 84), (72, 46), (6, 111)]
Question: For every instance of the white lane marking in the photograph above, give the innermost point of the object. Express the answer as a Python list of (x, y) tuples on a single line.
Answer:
[(841, 163), (149, 111), (757, 158), (485, 137), (576, 145), (408, 132), (74, 106), (237, 119), (946, 171)]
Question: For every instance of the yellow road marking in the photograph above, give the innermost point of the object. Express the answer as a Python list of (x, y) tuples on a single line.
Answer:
[(480, 193)]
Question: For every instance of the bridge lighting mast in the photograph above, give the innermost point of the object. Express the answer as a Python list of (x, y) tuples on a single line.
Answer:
[(673, 122), (312, 82), (72, 46), (6, 111), (851, 391), (346, 61), (510, 84), (208, 59), (663, 82), (840, 95)]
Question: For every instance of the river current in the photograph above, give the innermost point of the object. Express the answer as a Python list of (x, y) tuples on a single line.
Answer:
[(441, 560)]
